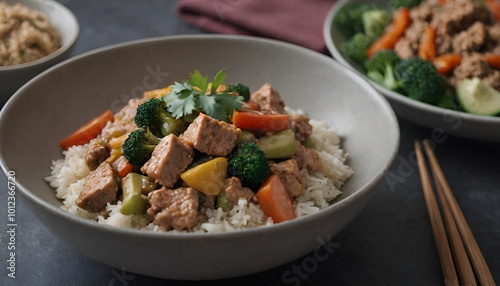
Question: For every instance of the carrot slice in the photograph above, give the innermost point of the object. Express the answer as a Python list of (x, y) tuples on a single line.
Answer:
[(123, 167), (260, 121), (494, 7), (274, 200), (88, 131), (493, 60), (446, 63), (401, 20), (426, 48)]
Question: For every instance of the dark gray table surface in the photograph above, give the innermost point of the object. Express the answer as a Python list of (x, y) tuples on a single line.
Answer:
[(389, 243)]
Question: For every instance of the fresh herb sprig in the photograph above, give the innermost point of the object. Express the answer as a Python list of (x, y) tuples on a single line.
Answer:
[(196, 94)]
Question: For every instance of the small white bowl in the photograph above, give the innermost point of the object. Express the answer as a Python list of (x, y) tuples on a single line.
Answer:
[(83, 86), (14, 76)]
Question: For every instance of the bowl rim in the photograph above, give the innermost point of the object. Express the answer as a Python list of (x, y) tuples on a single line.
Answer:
[(400, 98), (70, 41), (346, 202)]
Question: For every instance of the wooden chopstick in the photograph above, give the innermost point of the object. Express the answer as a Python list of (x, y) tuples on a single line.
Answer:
[(443, 249), (462, 262), (481, 268)]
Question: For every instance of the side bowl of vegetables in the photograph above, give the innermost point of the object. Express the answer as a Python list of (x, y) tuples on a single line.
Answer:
[(437, 115), (31, 128)]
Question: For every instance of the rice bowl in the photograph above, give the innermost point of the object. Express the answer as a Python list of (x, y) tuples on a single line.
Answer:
[(175, 255)]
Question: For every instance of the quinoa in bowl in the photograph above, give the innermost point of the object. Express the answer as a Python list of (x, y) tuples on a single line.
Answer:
[(25, 35)]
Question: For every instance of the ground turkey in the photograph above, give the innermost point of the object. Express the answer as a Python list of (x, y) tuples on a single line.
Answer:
[(211, 136), (471, 66), (169, 159), (100, 187), (174, 208), (470, 40)]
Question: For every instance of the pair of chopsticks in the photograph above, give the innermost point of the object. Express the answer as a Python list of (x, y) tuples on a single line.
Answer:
[(467, 258)]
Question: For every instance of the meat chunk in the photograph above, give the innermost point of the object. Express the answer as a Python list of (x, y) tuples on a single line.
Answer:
[(293, 179), (168, 160), (174, 208), (211, 136), (100, 187), (234, 191), (124, 120), (268, 99), (206, 201), (307, 158), (300, 126), (96, 153)]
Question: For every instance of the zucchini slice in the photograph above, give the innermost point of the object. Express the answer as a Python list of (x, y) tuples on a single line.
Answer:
[(477, 97)]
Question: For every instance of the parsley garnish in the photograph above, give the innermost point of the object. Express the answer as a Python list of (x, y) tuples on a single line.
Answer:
[(193, 95)]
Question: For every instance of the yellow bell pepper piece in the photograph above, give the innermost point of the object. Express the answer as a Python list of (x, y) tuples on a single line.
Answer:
[(208, 177), (117, 142), (114, 155), (157, 92)]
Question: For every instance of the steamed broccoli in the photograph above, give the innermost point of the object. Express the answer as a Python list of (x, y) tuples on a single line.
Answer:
[(240, 89), (139, 145), (448, 102), (395, 4), (380, 68), (375, 21), (153, 114), (249, 163), (356, 47), (349, 18), (420, 80)]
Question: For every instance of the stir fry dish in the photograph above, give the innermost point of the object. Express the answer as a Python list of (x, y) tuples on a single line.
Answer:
[(200, 156), (442, 52)]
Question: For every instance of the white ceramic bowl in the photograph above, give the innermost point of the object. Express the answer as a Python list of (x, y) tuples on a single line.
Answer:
[(84, 86), (456, 123), (13, 77)]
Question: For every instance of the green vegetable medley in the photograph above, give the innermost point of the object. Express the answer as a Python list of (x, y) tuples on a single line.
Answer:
[(415, 77)]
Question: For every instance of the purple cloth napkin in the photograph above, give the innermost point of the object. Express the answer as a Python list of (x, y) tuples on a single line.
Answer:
[(295, 21)]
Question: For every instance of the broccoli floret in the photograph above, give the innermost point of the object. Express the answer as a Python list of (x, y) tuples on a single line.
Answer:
[(375, 21), (420, 80), (240, 89), (348, 19), (357, 47), (249, 163), (153, 114), (448, 102), (380, 68), (138, 146), (395, 4)]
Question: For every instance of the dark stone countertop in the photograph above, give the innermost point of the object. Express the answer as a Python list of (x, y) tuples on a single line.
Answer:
[(389, 243)]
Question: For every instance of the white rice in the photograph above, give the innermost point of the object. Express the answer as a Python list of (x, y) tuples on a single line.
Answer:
[(68, 174)]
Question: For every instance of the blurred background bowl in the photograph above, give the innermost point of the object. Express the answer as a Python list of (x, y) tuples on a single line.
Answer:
[(84, 86), (62, 19), (452, 122)]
